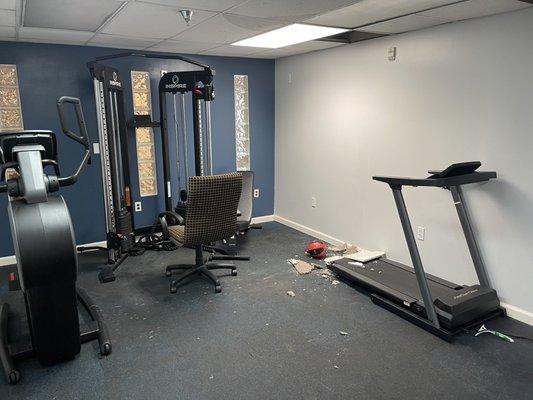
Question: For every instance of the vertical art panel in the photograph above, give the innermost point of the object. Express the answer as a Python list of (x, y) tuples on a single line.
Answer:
[(242, 122), (10, 108), (144, 137)]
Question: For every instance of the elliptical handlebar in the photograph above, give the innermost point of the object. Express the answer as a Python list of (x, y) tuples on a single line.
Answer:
[(82, 139)]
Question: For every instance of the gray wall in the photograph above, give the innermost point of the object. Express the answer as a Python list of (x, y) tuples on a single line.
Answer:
[(458, 92)]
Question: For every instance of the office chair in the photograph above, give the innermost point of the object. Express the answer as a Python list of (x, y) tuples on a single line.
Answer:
[(227, 249), (211, 215)]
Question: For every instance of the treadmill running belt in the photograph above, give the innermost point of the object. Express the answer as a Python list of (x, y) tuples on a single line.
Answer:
[(392, 277)]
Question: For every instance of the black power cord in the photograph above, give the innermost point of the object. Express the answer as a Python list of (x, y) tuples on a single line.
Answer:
[(152, 241)]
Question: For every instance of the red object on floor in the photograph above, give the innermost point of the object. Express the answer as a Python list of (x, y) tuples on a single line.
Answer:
[(317, 249)]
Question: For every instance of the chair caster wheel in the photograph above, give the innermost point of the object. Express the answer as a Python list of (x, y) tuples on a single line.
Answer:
[(106, 349), (218, 289), (168, 274), (173, 289), (233, 272), (14, 377)]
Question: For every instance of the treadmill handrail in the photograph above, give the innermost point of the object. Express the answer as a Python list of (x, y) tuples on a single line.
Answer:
[(458, 180)]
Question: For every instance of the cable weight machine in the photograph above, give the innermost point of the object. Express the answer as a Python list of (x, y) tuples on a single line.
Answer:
[(112, 128), (109, 99)]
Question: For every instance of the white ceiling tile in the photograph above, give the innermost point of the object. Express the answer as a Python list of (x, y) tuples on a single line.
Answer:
[(126, 42), (232, 51), (7, 18), (209, 5), (7, 32), (181, 46), (59, 35), (288, 10), (300, 48), (403, 24), (8, 4), (151, 21), (369, 11), (228, 28), (475, 8), (79, 15)]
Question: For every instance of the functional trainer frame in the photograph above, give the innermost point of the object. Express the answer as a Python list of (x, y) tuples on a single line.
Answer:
[(109, 98)]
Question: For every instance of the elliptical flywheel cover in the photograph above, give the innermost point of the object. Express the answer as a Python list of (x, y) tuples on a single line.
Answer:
[(317, 249)]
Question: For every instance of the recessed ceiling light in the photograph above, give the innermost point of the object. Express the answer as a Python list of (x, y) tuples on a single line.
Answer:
[(291, 34)]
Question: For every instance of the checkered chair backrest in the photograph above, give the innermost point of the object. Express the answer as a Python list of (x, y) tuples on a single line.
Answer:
[(212, 203)]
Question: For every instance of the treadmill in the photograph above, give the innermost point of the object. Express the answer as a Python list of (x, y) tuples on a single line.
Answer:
[(436, 305)]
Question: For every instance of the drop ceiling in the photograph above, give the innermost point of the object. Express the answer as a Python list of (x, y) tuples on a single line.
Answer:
[(156, 25)]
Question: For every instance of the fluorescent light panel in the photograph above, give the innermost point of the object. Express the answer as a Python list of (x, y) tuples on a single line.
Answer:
[(288, 35)]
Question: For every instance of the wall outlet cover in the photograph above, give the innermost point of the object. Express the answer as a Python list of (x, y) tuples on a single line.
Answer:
[(421, 233)]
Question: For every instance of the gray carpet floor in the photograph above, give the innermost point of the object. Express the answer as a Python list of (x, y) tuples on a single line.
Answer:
[(253, 341)]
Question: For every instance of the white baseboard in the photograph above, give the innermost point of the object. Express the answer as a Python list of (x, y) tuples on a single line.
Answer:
[(518, 313), (512, 311), (310, 231), (10, 260), (262, 219)]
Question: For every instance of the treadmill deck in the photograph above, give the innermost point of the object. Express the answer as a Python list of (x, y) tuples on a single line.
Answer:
[(385, 277)]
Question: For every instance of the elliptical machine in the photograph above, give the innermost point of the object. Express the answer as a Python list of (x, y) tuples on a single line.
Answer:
[(45, 248)]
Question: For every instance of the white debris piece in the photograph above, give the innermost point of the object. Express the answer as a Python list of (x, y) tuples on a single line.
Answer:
[(332, 259), (291, 293), (335, 282), (343, 333), (355, 263)]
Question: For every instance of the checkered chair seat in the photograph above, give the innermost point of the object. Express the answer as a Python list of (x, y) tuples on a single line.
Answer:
[(211, 212)]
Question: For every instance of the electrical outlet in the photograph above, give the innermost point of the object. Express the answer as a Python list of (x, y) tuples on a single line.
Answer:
[(313, 202), (96, 148), (256, 193), (392, 53), (138, 206), (289, 78), (421, 233)]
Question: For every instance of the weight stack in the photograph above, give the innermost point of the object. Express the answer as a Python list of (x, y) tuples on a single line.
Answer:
[(125, 230)]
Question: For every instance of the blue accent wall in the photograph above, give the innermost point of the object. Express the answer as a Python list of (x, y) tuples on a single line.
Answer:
[(47, 72)]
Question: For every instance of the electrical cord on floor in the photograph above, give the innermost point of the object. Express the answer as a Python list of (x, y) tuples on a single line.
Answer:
[(152, 241), (511, 335)]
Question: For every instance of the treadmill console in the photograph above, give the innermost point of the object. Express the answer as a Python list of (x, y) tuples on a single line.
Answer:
[(462, 168)]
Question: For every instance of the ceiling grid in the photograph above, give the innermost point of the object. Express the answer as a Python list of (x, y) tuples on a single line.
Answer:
[(156, 25)]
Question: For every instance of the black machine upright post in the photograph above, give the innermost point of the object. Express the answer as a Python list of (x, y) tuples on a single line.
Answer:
[(198, 165), (469, 236), (164, 143), (415, 256)]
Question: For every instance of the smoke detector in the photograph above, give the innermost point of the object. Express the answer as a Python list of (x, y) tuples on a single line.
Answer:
[(186, 14)]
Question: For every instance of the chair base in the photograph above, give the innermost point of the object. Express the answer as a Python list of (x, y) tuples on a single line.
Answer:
[(198, 270)]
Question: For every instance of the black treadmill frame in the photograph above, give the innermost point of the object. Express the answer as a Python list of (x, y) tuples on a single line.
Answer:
[(452, 183)]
